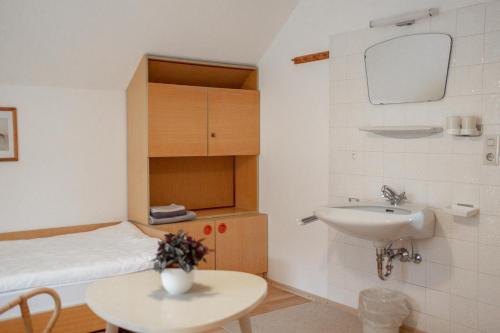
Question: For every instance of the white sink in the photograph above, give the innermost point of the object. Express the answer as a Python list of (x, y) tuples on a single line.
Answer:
[(380, 222)]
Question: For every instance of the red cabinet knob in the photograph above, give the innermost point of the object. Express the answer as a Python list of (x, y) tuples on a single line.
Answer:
[(207, 230), (222, 228)]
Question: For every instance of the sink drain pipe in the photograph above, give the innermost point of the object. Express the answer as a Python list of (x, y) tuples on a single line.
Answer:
[(388, 252), (380, 264)]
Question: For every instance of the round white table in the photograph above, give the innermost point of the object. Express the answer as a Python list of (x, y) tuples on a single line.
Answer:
[(137, 302)]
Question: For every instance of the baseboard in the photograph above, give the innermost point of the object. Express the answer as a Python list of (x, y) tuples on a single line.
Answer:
[(319, 299)]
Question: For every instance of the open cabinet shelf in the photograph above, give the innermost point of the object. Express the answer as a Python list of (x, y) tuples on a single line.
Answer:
[(201, 74), (208, 185)]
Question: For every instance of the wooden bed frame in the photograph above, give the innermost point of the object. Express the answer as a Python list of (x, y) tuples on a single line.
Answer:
[(75, 319)]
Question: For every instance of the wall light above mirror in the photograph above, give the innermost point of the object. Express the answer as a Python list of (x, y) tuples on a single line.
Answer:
[(408, 69)]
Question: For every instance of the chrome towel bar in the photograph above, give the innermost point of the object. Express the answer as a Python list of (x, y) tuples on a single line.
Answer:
[(307, 220)]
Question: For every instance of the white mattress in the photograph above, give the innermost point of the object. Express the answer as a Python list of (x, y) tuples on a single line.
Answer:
[(73, 258)]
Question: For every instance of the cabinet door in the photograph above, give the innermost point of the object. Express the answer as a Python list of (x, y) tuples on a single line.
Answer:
[(197, 230), (177, 120), (233, 122), (242, 244)]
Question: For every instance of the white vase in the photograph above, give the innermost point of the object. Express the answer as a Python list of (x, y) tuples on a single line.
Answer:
[(176, 281)]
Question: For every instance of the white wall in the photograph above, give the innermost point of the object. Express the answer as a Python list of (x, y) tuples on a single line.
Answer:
[(294, 119), (294, 171), (457, 286), (72, 158), (294, 161)]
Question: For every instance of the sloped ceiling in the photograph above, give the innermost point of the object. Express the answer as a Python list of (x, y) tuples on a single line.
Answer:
[(97, 44)]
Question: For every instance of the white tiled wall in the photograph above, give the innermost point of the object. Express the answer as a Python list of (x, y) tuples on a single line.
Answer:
[(457, 286)]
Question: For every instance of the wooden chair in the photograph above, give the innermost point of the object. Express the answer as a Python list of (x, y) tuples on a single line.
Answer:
[(22, 301)]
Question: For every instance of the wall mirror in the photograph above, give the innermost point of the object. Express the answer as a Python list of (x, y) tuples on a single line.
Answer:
[(408, 69)]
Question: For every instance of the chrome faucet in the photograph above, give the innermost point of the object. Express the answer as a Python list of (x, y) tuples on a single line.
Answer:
[(394, 198)]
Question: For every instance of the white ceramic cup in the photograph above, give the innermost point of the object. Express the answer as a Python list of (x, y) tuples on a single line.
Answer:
[(453, 122), (453, 125), (469, 123)]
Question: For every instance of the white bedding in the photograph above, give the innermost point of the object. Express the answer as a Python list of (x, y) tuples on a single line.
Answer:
[(71, 258)]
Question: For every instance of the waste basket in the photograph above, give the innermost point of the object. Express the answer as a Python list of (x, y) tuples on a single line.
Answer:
[(382, 310)]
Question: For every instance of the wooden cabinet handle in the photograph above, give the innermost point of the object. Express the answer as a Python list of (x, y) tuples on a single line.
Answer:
[(222, 228), (212, 135), (207, 230)]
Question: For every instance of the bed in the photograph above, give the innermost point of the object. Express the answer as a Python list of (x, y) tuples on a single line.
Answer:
[(69, 263)]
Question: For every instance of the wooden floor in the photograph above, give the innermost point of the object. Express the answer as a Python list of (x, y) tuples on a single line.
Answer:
[(72, 320)]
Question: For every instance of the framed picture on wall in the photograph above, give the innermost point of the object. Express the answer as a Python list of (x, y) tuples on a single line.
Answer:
[(8, 134)]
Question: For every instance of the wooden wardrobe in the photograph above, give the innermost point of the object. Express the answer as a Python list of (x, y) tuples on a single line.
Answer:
[(194, 139)]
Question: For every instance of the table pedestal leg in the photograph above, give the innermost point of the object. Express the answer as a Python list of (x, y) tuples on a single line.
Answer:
[(245, 325), (110, 328)]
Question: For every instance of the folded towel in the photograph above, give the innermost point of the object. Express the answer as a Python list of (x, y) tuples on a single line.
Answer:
[(167, 209), (189, 216), (162, 215)]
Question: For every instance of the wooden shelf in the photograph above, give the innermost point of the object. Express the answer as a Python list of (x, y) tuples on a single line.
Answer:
[(211, 213), (221, 212)]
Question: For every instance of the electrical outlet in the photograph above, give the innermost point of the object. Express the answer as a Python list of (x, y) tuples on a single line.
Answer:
[(491, 150)]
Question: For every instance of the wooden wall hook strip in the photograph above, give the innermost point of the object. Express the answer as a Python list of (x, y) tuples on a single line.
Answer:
[(311, 57)]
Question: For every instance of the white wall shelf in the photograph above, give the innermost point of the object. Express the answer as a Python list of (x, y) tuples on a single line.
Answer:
[(403, 131)]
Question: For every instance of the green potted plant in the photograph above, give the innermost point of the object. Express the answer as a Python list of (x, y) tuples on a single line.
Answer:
[(177, 256)]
